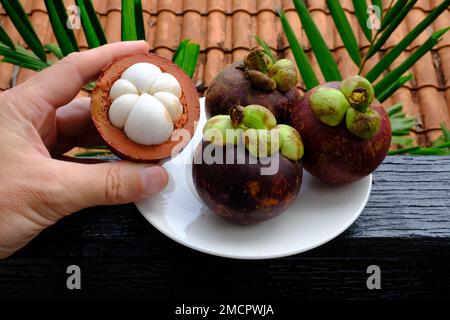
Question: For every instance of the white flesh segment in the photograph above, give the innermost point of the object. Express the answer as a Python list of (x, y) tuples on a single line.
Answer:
[(149, 122), (120, 108), (166, 83), (121, 87), (172, 104), (142, 75)]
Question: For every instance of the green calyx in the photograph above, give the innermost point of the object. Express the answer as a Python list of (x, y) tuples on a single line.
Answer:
[(283, 72), (219, 131), (363, 124), (290, 141), (352, 102), (329, 104), (257, 127), (256, 59), (267, 76), (358, 91), (260, 80), (260, 142), (252, 116)]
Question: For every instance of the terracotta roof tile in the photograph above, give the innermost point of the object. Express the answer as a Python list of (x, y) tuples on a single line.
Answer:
[(174, 6), (225, 29), (248, 6), (266, 5), (168, 29), (216, 24), (113, 26), (434, 113), (114, 5), (242, 30), (218, 5), (193, 27), (444, 60), (265, 22), (198, 6), (215, 62), (287, 5)]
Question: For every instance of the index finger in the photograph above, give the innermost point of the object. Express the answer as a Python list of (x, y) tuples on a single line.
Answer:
[(61, 82)]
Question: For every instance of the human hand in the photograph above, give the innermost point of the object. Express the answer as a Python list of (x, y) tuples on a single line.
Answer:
[(38, 121)]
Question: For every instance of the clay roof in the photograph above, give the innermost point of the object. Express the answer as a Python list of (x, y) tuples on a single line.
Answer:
[(225, 30)]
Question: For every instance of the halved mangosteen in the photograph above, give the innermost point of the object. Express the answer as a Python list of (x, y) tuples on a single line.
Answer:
[(144, 107)]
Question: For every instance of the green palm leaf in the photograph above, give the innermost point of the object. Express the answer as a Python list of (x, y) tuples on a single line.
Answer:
[(306, 71), (93, 30), (132, 20), (58, 18), (186, 56), (395, 74), (139, 15), (391, 28), (53, 48), (128, 25), (5, 39), (397, 85), (21, 59), (323, 55), (387, 60), (20, 20), (378, 3), (181, 46), (265, 47), (360, 7), (345, 30), (392, 13)]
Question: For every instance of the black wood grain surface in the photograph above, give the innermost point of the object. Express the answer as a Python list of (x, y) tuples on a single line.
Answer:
[(405, 230)]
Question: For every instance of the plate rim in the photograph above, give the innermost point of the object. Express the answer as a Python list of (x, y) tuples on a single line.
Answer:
[(270, 256)]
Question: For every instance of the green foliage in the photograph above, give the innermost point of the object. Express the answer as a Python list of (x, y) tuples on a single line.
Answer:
[(132, 20), (394, 16), (58, 18), (23, 25), (360, 7), (345, 30), (132, 29), (323, 55), (186, 56), (394, 79), (306, 71), (266, 48), (93, 30)]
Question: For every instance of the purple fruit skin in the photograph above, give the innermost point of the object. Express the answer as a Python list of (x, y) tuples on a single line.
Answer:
[(334, 154), (240, 194), (231, 87)]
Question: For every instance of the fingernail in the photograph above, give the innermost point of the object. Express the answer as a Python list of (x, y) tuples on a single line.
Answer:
[(154, 179)]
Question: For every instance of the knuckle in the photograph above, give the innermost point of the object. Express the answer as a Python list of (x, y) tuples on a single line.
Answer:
[(70, 60), (114, 185)]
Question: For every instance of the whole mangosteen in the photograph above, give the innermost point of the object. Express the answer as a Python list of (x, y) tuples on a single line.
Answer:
[(255, 80), (247, 167), (346, 132)]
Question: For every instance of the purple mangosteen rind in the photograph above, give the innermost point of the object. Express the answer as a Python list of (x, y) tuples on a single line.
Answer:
[(233, 87), (239, 193), (334, 154)]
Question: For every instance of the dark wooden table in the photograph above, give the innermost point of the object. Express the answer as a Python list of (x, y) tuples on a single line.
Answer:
[(405, 230)]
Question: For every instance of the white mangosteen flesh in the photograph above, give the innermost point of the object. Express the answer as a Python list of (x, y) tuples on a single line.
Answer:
[(120, 108), (145, 104), (121, 87)]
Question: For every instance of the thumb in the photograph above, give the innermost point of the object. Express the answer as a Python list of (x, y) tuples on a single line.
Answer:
[(112, 183)]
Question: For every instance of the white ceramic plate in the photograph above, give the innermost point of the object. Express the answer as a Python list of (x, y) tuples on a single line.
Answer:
[(320, 213)]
